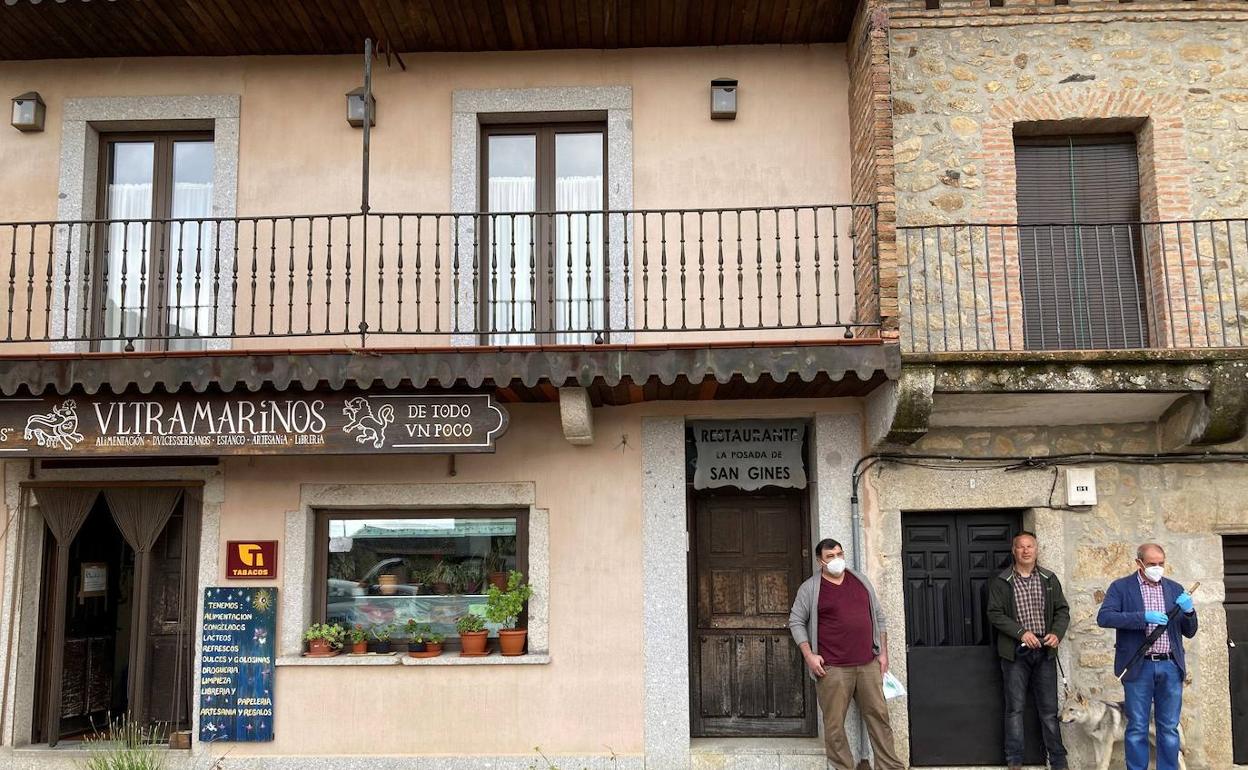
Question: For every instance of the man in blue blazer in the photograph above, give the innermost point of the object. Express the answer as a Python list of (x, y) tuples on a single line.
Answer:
[(1135, 605)]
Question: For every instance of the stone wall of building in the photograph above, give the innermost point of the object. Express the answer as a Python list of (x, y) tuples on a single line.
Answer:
[(964, 80), (1187, 507)]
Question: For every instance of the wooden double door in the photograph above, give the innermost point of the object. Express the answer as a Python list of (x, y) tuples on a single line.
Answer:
[(749, 554)]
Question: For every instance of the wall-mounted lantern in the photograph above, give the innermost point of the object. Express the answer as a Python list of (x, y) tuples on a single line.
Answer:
[(355, 108), (723, 99), (28, 112)]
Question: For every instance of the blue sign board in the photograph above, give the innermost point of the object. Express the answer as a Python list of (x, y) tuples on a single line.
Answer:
[(236, 680)]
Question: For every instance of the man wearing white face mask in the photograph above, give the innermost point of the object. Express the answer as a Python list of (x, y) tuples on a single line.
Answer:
[(1135, 605), (837, 623)]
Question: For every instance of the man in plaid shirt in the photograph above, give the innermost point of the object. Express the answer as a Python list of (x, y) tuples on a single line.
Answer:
[(1028, 610), (1135, 605)]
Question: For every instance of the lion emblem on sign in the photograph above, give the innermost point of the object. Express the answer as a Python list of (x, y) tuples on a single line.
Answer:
[(58, 428), (366, 425)]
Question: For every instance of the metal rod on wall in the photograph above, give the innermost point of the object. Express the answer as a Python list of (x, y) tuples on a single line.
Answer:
[(368, 123)]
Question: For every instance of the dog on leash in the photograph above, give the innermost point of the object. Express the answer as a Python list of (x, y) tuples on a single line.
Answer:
[(1106, 724)]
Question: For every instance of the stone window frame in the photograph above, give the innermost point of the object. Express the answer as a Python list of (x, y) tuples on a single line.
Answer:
[(470, 108), (1165, 190), (83, 122), (298, 567)]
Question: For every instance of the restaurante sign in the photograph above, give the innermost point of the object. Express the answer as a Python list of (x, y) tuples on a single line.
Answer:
[(749, 454), (225, 424)]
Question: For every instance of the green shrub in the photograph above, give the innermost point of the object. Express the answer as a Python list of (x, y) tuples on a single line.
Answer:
[(504, 607), (468, 623), (127, 746)]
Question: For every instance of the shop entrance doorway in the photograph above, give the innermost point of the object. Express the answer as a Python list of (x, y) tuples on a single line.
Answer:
[(749, 554), (953, 669), (117, 606)]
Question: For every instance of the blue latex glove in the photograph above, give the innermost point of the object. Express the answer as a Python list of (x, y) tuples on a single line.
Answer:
[(1184, 601), (1155, 618)]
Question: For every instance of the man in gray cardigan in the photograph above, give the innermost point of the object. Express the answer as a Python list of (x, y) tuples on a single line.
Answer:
[(837, 622)]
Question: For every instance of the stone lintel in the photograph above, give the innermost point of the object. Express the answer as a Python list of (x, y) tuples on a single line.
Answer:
[(1057, 376), (576, 413)]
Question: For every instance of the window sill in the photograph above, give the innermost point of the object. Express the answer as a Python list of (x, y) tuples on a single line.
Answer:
[(446, 659)]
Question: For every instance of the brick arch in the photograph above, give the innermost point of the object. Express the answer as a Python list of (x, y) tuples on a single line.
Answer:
[(1165, 194), (1164, 168)]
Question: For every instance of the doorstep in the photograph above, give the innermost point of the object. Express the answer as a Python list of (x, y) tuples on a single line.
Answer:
[(756, 754)]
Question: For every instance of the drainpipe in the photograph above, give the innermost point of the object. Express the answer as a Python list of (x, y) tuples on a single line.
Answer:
[(857, 538)]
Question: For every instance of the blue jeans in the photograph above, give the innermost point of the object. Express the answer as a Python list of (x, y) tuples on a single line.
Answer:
[(1035, 672), (1159, 689)]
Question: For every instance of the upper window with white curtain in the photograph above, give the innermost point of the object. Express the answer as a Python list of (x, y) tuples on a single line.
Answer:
[(154, 259), (542, 265)]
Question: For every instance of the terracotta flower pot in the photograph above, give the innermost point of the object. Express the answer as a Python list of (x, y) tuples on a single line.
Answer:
[(319, 647), (388, 583), (359, 648), (499, 580), (511, 641), (414, 647), (433, 647), (474, 642)]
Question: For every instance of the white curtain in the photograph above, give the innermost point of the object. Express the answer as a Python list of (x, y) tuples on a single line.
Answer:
[(190, 256), (131, 272), (127, 263), (578, 268), (507, 269)]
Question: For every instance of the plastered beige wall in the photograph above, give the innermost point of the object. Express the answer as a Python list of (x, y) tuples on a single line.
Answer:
[(590, 696), (788, 145)]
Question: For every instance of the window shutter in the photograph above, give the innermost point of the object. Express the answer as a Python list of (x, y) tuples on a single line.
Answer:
[(1079, 242)]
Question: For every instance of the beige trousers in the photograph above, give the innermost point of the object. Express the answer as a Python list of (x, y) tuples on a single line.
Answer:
[(864, 685)]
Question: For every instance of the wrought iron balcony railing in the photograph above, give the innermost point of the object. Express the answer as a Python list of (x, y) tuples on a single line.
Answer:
[(496, 278), (1181, 284)]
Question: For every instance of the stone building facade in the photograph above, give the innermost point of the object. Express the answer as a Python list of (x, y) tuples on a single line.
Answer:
[(966, 80)]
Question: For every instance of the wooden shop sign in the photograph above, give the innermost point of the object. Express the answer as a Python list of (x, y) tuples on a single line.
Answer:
[(249, 424)]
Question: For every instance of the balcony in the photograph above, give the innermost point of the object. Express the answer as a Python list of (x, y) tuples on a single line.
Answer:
[(567, 278), (617, 297), (1130, 286)]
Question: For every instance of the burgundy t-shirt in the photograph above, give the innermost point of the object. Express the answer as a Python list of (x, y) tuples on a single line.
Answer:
[(845, 633)]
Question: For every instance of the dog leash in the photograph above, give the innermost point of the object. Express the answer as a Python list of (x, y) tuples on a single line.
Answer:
[(1065, 682)]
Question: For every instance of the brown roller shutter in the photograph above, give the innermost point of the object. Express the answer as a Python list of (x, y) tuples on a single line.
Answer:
[(1079, 242)]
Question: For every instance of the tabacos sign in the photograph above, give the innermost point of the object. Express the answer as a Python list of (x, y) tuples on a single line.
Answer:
[(250, 559), (223, 424)]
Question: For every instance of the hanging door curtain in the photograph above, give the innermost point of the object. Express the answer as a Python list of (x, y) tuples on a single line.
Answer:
[(141, 514), (64, 509)]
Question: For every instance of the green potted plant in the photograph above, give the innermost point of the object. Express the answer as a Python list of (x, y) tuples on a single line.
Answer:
[(359, 639), (324, 639), (416, 633), (472, 635), (468, 577), (442, 576), (417, 579), (505, 608), (495, 561), (433, 643), (379, 637)]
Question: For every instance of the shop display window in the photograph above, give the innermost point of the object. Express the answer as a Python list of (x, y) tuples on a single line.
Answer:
[(379, 571)]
